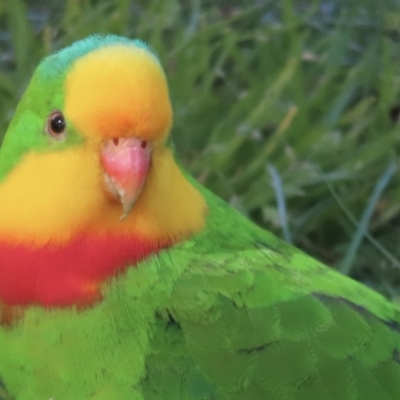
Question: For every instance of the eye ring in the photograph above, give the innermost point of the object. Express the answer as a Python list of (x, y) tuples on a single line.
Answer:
[(56, 126)]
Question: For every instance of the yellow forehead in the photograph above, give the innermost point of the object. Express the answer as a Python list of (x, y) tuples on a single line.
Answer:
[(118, 90)]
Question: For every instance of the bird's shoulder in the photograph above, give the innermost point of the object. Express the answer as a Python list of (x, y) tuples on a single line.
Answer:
[(253, 317)]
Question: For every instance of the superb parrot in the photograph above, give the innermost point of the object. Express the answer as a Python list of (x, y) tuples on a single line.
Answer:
[(121, 277)]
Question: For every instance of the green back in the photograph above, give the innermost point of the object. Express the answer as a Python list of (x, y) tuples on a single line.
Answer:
[(232, 313)]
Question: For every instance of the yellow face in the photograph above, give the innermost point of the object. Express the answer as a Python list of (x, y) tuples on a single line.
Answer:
[(117, 91)]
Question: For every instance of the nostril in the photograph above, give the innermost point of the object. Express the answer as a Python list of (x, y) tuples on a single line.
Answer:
[(144, 144), (115, 141)]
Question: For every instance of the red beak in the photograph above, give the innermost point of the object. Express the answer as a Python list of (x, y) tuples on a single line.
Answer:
[(126, 163)]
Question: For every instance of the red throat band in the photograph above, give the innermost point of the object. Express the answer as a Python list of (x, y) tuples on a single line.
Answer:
[(68, 275)]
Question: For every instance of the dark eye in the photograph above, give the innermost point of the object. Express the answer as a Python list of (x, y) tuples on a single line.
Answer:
[(56, 125)]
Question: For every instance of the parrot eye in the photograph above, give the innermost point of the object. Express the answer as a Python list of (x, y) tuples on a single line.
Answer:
[(56, 125)]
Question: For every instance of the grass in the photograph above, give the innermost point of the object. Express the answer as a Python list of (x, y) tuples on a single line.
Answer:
[(288, 110)]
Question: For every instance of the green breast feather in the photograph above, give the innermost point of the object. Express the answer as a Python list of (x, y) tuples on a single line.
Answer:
[(232, 313)]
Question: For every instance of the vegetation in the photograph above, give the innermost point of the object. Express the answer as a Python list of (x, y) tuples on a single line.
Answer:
[(287, 109)]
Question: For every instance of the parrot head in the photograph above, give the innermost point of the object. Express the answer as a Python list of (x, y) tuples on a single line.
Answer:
[(87, 149), (88, 179)]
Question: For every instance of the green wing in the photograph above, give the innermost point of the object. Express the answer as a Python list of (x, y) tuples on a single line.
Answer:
[(258, 319), (233, 313)]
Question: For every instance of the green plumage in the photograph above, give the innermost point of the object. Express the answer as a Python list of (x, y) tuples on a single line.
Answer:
[(229, 314), (232, 313)]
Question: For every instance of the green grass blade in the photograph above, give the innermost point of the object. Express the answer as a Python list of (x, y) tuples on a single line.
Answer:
[(362, 227), (280, 199), (387, 254)]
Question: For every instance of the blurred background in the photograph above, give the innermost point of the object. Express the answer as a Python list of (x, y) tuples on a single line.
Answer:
[(289, 110)]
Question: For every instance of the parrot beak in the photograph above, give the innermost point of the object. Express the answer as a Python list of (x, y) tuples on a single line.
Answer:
[(126, 163)]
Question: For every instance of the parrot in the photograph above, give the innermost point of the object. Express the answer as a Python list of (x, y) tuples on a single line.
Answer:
[(123, 278)]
